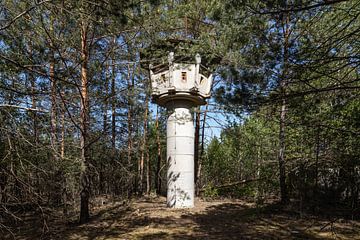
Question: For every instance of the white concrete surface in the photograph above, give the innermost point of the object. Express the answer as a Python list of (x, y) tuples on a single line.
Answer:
[(180, 156)]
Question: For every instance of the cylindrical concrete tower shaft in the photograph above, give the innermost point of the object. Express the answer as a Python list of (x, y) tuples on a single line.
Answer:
[(180, 155)]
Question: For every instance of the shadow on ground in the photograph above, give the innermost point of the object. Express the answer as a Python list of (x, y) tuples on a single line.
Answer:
[(239, 220), (150, 219)]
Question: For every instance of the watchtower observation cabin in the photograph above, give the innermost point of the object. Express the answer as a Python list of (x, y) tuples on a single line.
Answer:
[(182, 78)]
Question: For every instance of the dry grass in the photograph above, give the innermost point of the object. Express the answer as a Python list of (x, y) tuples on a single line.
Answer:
[(148, 218)]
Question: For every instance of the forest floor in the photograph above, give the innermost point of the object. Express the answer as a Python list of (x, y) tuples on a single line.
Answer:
[(148, 218)]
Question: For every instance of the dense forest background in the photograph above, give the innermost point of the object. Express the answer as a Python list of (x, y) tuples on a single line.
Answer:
[(77, 123)]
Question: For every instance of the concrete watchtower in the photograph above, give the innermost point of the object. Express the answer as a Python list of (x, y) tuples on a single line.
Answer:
[(180, 85)]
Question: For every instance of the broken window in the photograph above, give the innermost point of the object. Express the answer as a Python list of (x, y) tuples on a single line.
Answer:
[(163, 79)]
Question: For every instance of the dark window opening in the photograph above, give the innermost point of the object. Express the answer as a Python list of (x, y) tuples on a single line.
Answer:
[(183, 76), (163, 79)]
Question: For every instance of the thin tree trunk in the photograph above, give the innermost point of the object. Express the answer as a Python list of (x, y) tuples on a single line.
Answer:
[(283, 83), (84, 119), (143, 152), (130, 85), (283, 188), (317, 153), (63, 112), (34, 114), (148, 175), (53, 113), (33, 105), (62, 157), (258, 193), (62, 144), (202, 151), (196, 145), (129, 117), (102, 174), (141, 168), (106, 101), (57, 194), (159, 160), (113, 106), (34, 117)]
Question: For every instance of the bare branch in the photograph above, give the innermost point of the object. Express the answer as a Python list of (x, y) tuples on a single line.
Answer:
[(22, 14), (300, 9), (21, 107)]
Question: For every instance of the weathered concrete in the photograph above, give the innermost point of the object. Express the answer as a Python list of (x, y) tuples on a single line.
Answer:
[(180, 156)]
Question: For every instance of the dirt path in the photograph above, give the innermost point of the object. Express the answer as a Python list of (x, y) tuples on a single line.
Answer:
[(150, 219)]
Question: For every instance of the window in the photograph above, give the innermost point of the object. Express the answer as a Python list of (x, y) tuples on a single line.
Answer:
[(183, 77), (163, 79)]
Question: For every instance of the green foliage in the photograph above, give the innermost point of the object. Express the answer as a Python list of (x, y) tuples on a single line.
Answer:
[(243, 152), (210, 191)]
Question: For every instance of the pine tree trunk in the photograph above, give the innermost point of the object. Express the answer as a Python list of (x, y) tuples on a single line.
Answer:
[(258, 193), (62, 144), (148, 175), (317, 153), (106, 101), (130, 84), (57, 196), (34, 116), (113, 106), (159, 160), (53, 100), (196, 147), (283, 83), (102, 186), (202, 151), (53, 114), (84, 119), (129, 116), (282, 178), (33, 105), (62, 157), (143, 152)]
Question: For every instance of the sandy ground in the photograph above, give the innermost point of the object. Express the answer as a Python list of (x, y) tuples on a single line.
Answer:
[(148, 218)]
